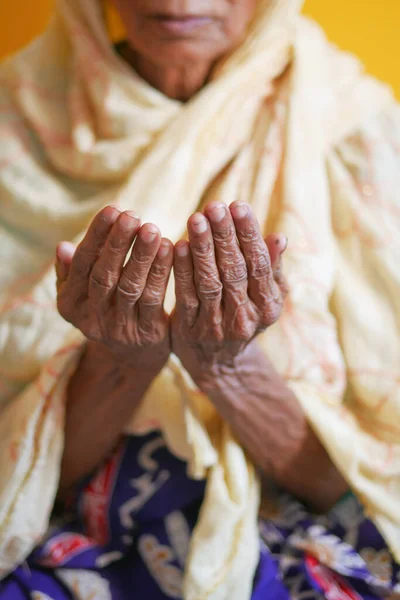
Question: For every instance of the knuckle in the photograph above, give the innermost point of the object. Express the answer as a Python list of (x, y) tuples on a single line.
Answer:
[(114, 246), (189, 304), (184, 277), (102, 279), (234, 273), (152, 296), (129, 290), (141, 257), (250, 234), (203, 249), (260, 265), (149, 301), (159, 272), (225, 236), (210, 291)]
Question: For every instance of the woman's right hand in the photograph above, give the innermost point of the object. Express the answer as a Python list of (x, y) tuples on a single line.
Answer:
[(118, 305)]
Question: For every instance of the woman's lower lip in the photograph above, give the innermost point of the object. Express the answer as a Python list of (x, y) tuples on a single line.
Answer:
[(183, 26)]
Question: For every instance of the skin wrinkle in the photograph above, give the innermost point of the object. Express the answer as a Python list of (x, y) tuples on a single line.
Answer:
[(246, 323), (179, 66), (272, 430), (278, 419), (218, 310)]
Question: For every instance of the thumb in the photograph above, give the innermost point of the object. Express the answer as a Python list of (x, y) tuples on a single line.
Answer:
[(277, 244), (64, 254)]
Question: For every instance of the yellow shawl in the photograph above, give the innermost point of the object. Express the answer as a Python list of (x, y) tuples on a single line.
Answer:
[(79, 130)]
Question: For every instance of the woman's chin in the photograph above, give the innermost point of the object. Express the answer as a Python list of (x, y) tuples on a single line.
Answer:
[(181, 49), (181, 54)]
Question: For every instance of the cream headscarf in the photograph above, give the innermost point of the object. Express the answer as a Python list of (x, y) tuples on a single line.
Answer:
[(80, 130)]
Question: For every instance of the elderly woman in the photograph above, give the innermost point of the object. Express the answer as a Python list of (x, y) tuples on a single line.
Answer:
[(233, 435)]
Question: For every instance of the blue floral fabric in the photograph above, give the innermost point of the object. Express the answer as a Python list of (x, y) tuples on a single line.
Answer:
[(126, 535)]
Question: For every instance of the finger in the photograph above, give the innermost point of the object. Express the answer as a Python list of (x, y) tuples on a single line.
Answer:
[(64, 254), (90, 249), (134, 275), (262, 288), (187, 302), (107, 270), (277, 244), (206, 275), (151, 303), (230, 261)]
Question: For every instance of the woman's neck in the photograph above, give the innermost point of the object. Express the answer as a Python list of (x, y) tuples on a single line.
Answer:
[(176, 82)]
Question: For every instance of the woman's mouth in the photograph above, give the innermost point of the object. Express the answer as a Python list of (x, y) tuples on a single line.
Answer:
[(181, 25)]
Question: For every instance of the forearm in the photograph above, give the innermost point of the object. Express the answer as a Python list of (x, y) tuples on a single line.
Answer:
[(270, 424), (102, 396)]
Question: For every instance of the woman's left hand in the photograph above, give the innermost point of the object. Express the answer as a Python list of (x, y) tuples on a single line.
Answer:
[(229, 288)]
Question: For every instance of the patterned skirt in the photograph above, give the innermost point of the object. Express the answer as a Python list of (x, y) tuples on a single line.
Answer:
[(126, 535)]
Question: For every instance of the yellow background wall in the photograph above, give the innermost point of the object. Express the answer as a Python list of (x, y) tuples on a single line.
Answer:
[(370, 28)]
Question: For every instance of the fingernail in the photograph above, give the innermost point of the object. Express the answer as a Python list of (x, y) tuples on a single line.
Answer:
[(65, 248), (182, 250), (115, 209), (283, 243), (149, 233), (132, 214), (240, 210), (199, 225), (128, 219), (164, 250), (217, 213)]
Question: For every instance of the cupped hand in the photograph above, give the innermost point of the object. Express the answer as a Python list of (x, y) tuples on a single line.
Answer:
[(112, 287), (229, 288)]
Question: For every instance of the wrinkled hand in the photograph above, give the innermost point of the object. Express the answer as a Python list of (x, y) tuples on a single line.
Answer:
[(229, 288), (116, 304)]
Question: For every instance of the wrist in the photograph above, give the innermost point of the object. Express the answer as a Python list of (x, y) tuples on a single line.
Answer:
[(147, 363), (219, 376), (310, 474)]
